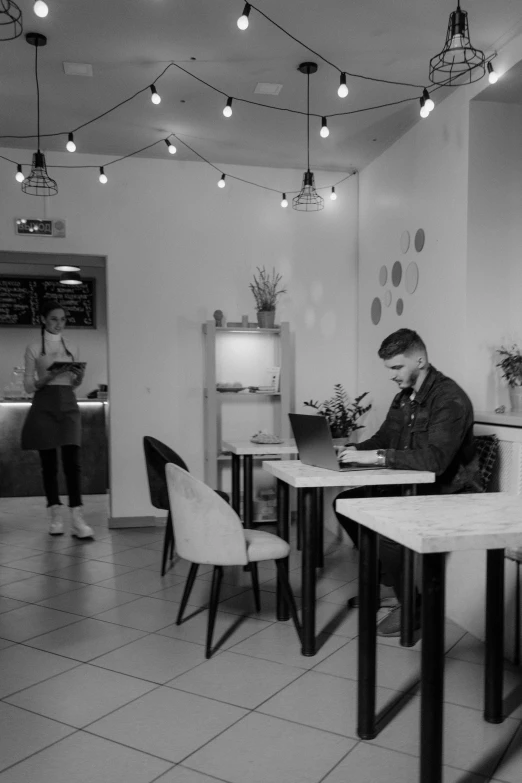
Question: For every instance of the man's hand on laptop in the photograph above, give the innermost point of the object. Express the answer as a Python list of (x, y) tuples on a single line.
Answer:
[(351, 455)]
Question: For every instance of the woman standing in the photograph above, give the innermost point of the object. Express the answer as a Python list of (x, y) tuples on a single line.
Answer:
[(53, 420)]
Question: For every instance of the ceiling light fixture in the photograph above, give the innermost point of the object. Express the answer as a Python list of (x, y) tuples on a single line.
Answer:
[(308, 199), (170, 145), (70, 146), (40, 8), (38, 183), (242, 22), (430, 103), (342, 90), (155, 97), (424, 111), (103, 176), (67, 268), (284, 201), (227, 111), (458, 62), (324, 132), (333, 194), (19, 176), (10, 21), (222, 183), (492, 76), (70, 278)]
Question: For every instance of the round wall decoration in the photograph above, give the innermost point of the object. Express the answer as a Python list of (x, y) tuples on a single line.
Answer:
[(400, 306), (396, 274), (383, 275), (411, 277), (387, 298), (405, 241), (420, 238), (376, 311)]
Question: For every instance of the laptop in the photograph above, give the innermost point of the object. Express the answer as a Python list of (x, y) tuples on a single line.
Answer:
[(315, 445)]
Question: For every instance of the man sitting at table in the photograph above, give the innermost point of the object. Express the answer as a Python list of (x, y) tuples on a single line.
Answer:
[(429, 426)]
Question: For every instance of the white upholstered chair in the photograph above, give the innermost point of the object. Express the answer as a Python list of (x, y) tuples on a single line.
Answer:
[(207, 530)]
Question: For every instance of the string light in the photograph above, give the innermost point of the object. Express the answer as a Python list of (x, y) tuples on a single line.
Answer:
[(428, 102), (324, 132), (227, 111), (284, 201), (170, 145), (242, 22), (222, 183), (424, 111), (333, 194), (103, 176), (70, 146), (19, 176), (492, 76), (155, 97), (342, 91), (40, 8)]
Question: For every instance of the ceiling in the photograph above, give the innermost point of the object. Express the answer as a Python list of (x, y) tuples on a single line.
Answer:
[(129, 42)]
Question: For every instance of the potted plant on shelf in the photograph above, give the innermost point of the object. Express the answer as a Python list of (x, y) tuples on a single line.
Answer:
[(511, 366), (265, 290), (342, 414)]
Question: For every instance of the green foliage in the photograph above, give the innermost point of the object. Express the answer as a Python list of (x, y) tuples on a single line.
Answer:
[(340, 412), (265, 289), (511, 365)]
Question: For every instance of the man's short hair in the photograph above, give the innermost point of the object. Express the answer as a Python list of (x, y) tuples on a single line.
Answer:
[(404, 341)]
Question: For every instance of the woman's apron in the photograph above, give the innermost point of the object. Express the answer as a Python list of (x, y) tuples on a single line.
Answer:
[(53, 420)]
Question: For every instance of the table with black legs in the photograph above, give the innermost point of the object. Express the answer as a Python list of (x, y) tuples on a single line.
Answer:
[(434, 526), (309, 482)]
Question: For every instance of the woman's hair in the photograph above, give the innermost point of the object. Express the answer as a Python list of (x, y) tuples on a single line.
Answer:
[(47, 307)]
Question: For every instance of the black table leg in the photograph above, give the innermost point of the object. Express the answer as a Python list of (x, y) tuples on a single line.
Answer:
[(494, 672), (248, 508), (283, 532), (319, 528), (408, 589), (236, 474), (299, 519), (432, 676), (368, 578), (308, 574)]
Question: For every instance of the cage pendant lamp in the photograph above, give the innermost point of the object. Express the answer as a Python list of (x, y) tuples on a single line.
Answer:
[(10, 20), (458, 62), (308, 199), (38, 183)]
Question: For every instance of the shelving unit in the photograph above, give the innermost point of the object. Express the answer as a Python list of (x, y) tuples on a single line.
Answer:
[(235, 354)]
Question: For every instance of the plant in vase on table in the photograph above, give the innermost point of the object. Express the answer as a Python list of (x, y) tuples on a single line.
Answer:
[(511, 366), (265, 290), (341, 413)]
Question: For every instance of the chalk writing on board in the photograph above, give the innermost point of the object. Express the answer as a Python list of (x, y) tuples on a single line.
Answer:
[(22, 297)]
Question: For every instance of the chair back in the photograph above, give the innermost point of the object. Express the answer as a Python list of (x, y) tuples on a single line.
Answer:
[(486, 448), (206, 528), (157, 455)]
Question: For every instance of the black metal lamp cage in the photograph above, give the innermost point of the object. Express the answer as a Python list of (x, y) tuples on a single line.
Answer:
[(308, 199), (39, 183), (459, 62), (10, 20)]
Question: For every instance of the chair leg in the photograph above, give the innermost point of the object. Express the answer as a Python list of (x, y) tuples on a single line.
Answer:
[(299, 520), (255, 586), (288, 594), (516, 656), (167, 541), (212, 607), (186, 592)]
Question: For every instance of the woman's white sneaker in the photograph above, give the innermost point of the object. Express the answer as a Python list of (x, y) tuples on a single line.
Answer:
[(80, 528), (55, 520)]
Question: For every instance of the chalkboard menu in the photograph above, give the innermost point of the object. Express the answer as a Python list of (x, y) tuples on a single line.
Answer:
[(21, 299)]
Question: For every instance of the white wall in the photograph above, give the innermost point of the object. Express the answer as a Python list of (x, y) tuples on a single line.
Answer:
[(177, 248)]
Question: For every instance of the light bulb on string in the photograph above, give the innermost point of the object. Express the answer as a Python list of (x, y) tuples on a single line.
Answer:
[(70, 146), (333, 195), (222, 183), (428, 102), (492, 76), (155, 97), (324, 132), (170, 145), (19, 176), (103, 176), (242, 22), (284, 201), (40, 8), (342, 91), (424, 111), (227, 111)]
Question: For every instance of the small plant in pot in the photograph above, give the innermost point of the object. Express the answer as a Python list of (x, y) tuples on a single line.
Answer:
[(341, 413), (265, 290), (511, 366)]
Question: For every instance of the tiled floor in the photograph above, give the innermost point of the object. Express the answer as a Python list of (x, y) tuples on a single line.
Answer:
[(98, 684)]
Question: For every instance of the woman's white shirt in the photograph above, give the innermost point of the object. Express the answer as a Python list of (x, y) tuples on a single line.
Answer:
[(37, 364)]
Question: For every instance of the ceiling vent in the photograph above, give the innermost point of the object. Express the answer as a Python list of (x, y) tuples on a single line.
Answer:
[(265, 88), (77, 69)]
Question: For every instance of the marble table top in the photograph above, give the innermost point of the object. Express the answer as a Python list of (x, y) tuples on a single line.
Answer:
[(442, 523), (242, 447), (301, 476)]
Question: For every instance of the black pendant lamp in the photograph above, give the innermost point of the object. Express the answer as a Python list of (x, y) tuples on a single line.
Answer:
[(308, 199), (10, 20), (38, 183), (459, 62)]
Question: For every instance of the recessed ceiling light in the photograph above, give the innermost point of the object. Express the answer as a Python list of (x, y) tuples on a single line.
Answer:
[(265, 88), (77, 69)]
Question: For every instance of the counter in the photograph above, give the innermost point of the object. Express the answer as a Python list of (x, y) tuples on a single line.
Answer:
[(20, 470)]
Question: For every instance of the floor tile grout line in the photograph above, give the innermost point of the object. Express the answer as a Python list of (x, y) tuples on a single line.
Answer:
[(506, 750), (356, 745), (40, 750), (40, 682)]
